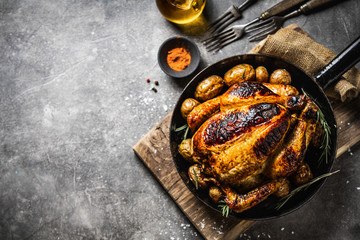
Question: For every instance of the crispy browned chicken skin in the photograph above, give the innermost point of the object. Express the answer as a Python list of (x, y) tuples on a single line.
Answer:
[(248, 134)]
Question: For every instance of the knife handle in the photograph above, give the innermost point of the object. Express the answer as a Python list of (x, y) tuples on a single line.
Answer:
[(313, 4), (280, 8)]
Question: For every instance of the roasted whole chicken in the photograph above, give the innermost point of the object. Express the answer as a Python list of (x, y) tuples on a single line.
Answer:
[(249, 141)]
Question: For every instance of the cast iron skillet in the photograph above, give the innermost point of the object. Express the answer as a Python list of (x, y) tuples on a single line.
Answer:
[(311, 85)]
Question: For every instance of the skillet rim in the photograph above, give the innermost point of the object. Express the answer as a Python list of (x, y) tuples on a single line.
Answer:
[(237, 59)]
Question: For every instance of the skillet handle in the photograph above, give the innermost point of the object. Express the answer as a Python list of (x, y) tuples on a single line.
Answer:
[(340, 64)]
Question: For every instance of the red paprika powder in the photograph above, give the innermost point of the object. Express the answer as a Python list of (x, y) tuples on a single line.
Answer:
[(178, 58)]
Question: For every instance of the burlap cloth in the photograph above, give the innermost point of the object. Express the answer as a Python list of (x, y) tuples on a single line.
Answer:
[(294, 45)]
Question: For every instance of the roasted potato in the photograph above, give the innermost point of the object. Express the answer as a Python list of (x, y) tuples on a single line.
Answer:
[(209, 88), (215, 194), (302, 175), (261, 74), (197, 176), (280, 76), (284, 188), (239, 73), (186, 150), (187, 106)]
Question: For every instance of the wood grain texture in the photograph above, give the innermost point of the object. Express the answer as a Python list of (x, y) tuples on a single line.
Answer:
[(348, 121), (154, 150)]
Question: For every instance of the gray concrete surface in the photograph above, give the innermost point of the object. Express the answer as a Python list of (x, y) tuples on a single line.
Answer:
[(74, 100)]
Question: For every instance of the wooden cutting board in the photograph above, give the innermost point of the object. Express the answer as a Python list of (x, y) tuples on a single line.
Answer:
[(154, 150)]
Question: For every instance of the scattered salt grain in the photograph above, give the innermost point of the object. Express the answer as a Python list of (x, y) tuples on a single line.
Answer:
[(202, 224), (282, 229), (358, 188)]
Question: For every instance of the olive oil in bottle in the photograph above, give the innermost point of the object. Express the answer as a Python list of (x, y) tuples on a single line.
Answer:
[(181, 11)]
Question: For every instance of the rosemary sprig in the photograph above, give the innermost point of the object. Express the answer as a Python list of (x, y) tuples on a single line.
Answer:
[(284, 200), (182, 128), (243, 74), (326, 140), (196, 180), (225, 209)]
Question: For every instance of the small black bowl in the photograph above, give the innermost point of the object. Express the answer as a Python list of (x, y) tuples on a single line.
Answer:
[(175, 42)]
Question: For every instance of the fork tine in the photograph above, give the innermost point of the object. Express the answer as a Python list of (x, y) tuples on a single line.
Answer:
[(220, 22), (269, 27), (221, 40), (220, 46), (262, 34), (260, 26), (217, 36), (224, 25), (227, 12), (232, 35), (214, 48)]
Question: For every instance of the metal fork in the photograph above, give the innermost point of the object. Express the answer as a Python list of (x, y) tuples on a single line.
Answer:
[(220, 40), (229, 16), (276, 22), (226, 37)]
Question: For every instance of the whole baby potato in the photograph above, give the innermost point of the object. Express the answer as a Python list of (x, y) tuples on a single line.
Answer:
[(197, 177), (209, 88), (239, 73), (261, 74), (284, 188), (187, 106), (186, 150), (280, 76), (302, 175), (215, 194)]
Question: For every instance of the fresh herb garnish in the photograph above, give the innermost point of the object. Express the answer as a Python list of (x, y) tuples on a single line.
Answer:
[(284, 200), (243, 74), (225, 209), (182, 128), (326, 140), (196, 180)]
